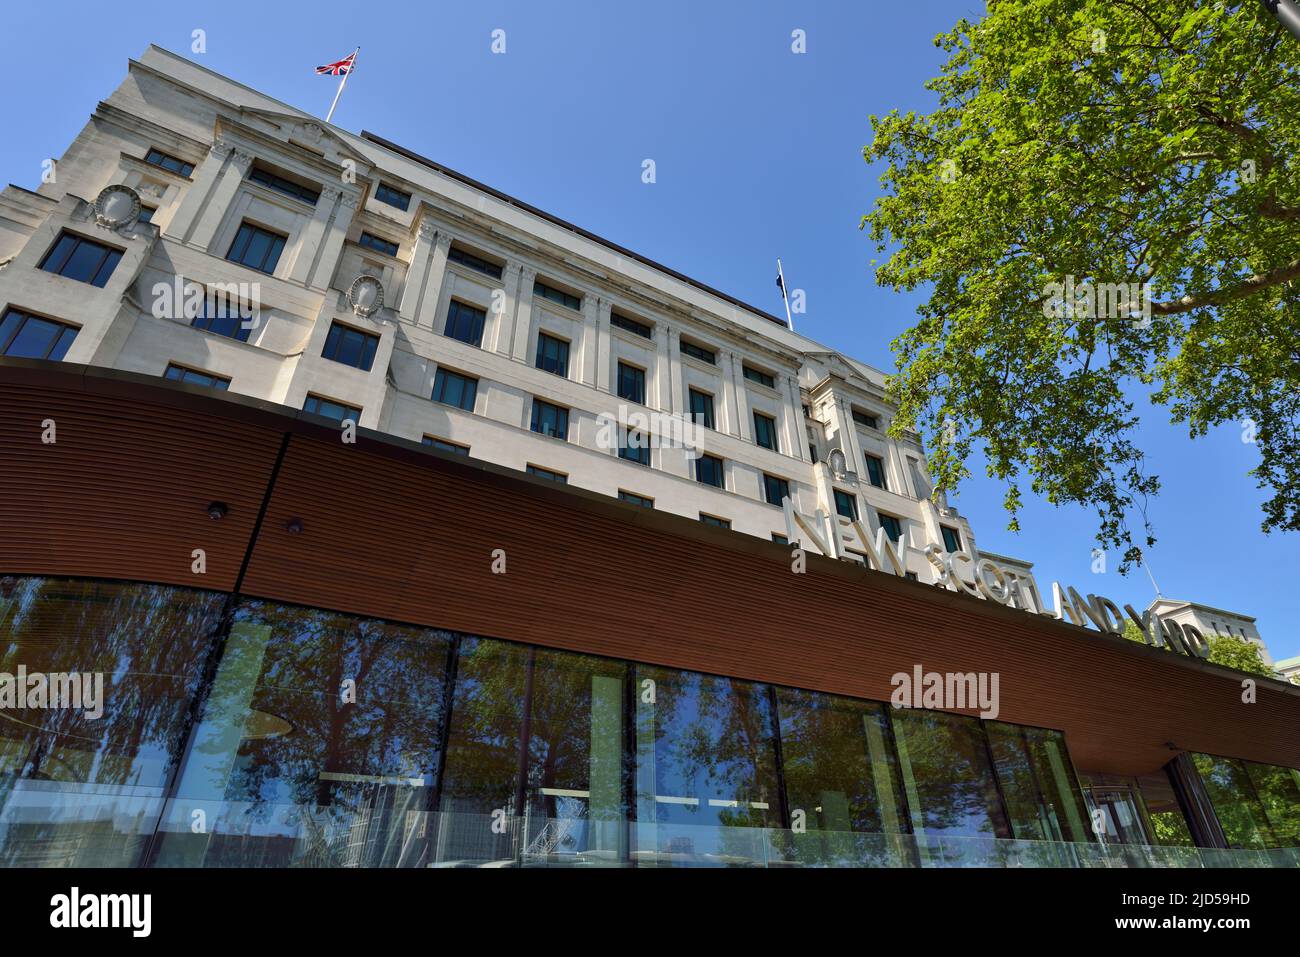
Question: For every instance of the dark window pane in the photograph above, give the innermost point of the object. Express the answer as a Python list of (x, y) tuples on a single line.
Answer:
[(634, 445), (846, 505), (765, 431), (550, 419), (392, 196), (452, 388), (635, 499), (699, 352), (893, 528), (547, 474), (775, 490), (84, 260), (762, 378), (331, 409), (875, 471), (256, 248), (709, 470), (702, 408), (352, 347), (631, 325), (631, 383), (552, 355), (279, 183), (470, 261), (556, 295), (443, 445), (379, 245), (951, 539), (465, 323)]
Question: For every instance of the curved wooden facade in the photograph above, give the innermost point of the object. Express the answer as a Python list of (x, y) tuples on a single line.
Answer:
[(400, 531)]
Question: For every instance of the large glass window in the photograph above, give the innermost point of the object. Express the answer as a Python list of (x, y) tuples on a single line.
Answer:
[(1241, 814), (765, 431), (338, 411), (1042, 793), (25, 336), (352, 347), (702, 408), (318, 745), (950, 787), (550, 420), (452, 388), (707, 780), (841, 778), (631, 383), (83, 785), (552, 355), (75, 257), (465, 322), (256, 248)]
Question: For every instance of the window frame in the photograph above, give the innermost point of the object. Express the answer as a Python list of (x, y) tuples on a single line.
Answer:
[(404, 205), (109, 260), (542, 408), (639, 377), (445, 375), (368, 348), (57, 343), (273, 253)]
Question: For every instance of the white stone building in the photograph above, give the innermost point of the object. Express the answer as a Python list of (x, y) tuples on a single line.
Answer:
[(431, 307), (1212, 621)]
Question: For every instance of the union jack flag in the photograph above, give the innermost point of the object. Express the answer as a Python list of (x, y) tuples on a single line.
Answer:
[(341, 68)]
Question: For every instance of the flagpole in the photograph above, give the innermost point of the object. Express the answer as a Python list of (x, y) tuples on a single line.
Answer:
[(784, 295), (342, 84)]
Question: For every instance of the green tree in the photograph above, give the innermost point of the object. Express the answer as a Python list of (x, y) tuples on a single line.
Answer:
[(1149, 143), (1233, 652), (1227, 650)]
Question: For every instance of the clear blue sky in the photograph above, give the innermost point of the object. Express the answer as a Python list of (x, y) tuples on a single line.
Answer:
[(758, 154)]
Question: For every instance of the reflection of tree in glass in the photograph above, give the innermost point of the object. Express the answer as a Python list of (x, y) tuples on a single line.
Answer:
[(149, 641), (951, 771), (389, 733)]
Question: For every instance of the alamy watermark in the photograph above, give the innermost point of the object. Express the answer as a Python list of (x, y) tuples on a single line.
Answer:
[(634, 429), (185, 299), (60, 689), (949, 691), (1098, 300)]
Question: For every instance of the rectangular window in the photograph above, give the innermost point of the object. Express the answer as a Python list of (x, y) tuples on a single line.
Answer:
[(457, 255), (556, 295), (552, 355), (84, 260), (221, 314), (702, 408), (168, 162), (442, 445), (714, 520), (256, 248), (195, 377), (393, 196), (861, 418), (452, 388), (465, 323), (765, 431), (780, 539), (631, 325), (911, 576), (337, 411), (951, 538), (709, 471), (631, 383), (634, 499), (278, 183), (775, 490), (876, 471), (146, 213), (759, 376), (846, 505), (634, 445), (892, 526), (547, 474), (550, 420), (699, 352), (25, 336), (371, 241), (352, 347)]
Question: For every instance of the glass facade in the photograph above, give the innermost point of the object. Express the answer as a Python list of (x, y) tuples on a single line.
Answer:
[(235, 732)]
